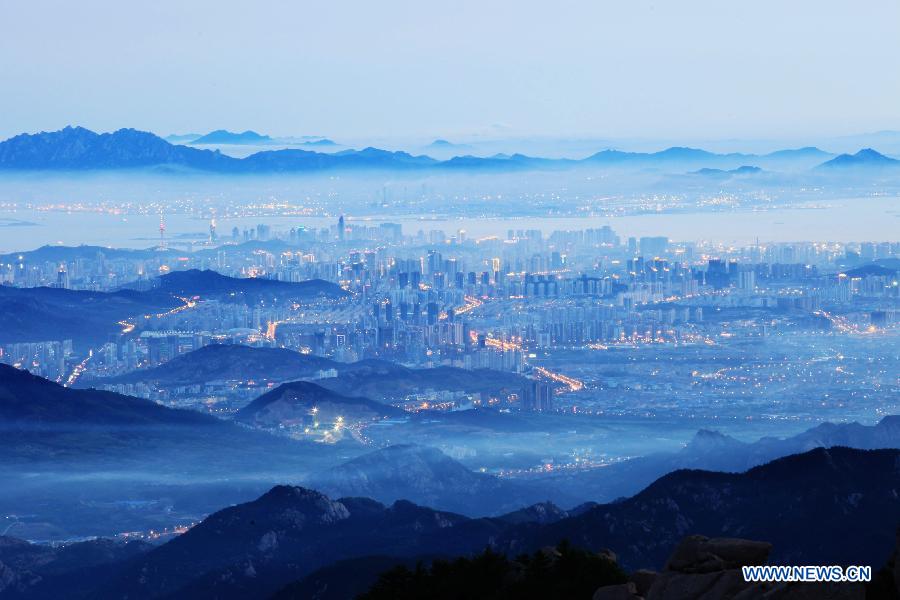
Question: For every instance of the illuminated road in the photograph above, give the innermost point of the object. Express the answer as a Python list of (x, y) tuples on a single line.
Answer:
[(78, 370), (188, 304), (471, 303), (574, 385)]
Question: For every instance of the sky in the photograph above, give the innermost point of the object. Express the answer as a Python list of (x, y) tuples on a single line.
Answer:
[(693, 69)]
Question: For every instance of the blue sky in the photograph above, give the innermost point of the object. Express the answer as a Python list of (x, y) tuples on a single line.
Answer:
[(694, 68)]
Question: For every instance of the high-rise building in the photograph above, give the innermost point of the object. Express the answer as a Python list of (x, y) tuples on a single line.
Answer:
[(747, 280), (62, 277), (536, 396)]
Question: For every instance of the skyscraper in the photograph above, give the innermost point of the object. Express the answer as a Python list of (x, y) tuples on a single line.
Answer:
[(62, 277)]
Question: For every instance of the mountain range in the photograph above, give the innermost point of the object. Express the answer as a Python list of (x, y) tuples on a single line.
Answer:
[(223, 137), (714, 451), (826, 506), (375, 379), (76, 148), (387, 474), (438, 481), (822, 505)]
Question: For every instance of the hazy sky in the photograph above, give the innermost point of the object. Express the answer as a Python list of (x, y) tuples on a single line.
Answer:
[(664, 69)]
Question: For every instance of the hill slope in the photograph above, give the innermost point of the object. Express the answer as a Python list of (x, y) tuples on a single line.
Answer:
[(45, 423), (428, 477), (194, 282), (293, 403), (218, 362), (31, 402), (42, 313), (375, 379), (108, 463)]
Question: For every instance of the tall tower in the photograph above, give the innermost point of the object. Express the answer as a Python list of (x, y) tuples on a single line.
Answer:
[(341, 230), (212, 231), (162, 232)]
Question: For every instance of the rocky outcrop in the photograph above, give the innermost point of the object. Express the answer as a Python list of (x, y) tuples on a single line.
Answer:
[(623, 591), (704, 568), (699, 554)]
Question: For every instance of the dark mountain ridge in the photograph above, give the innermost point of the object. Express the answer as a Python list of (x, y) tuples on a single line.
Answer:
[(28, 401), (41, 571), (712, 450), (194, 282), (822, 505), (834, 506)]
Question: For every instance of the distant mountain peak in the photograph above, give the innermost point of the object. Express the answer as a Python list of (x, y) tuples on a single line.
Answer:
[(542, 513), (865, 158), (321, 142), (223, 136), (742, 170), (707, 440), (293, 401), (892, 421)]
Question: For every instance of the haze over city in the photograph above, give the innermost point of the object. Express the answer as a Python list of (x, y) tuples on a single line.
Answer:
[(476, 300)]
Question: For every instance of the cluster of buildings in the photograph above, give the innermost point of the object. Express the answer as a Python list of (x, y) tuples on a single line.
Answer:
[(433, 298)]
